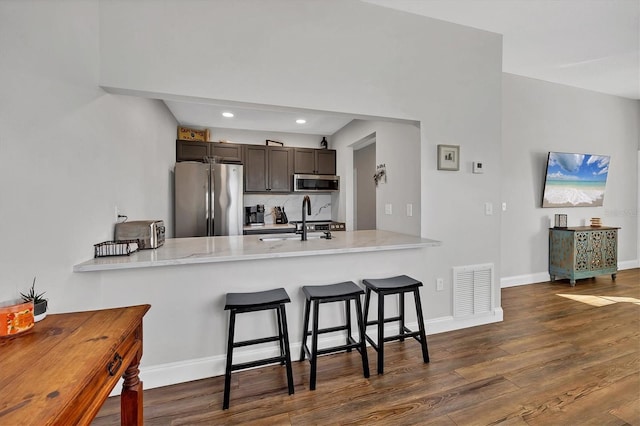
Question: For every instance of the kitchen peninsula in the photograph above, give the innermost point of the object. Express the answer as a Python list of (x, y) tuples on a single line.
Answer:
[(186, 281), (185, 251)]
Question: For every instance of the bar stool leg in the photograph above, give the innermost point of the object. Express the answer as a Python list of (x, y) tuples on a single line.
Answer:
[(227, 374), (280, 335), (423, 334), (401, 299), (287, 353), (380, 333), (347, 309), (314, 346), (367, 297), (305, 330), (363, 343)]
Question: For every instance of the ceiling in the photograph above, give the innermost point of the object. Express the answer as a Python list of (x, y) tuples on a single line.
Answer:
[(589, 44)]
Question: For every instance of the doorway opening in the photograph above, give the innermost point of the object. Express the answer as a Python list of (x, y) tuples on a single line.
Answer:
[(364, 197)]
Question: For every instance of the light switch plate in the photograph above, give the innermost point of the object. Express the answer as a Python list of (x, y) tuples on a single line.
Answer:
[(388, 209)]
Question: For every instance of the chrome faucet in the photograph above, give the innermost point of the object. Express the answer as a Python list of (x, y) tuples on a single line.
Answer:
[(306, 200)]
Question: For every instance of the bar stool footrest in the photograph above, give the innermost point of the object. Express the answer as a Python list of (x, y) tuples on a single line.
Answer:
[(257, 363), (256, 341), (386, 320), (329, 330)]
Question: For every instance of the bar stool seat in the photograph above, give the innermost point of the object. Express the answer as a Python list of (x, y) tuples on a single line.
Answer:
[(394, 285), (238, 303), (346, 292)]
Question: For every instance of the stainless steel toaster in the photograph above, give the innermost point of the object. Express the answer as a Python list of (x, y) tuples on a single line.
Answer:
[(149, 233)]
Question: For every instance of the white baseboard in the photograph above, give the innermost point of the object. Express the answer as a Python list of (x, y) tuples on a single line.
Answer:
[(524, 279), (185, 371), (540, 277), (629, 264), (449, 323)]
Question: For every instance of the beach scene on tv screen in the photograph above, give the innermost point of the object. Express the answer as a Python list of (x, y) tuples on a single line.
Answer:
[(575, 180)]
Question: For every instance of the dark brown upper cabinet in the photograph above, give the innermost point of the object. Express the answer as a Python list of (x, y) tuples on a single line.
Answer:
[(311, 161), (227, 152), (200, 151), (268, 168), (192, 150)]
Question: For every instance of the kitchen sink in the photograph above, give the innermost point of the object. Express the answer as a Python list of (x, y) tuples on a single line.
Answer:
[(284, 237)]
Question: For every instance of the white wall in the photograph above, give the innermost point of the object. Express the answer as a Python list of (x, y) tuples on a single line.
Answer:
[(340, 56), (398, 147), (256, 137), (539, 117), (69, 152)]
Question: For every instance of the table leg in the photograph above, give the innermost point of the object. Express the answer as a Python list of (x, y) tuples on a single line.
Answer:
[(131, 404)]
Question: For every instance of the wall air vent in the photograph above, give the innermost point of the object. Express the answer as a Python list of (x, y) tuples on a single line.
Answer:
[(472, 290)]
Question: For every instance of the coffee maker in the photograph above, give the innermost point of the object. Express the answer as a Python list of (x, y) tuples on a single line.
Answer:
[(254, 215)]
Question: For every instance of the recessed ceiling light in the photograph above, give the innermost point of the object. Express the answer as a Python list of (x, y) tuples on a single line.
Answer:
[(301, 121), (227, 114)]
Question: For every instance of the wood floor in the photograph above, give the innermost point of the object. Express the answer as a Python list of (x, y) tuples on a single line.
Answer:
[(562, 356)]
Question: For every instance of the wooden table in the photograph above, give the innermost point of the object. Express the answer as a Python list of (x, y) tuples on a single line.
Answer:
[(62, 370)]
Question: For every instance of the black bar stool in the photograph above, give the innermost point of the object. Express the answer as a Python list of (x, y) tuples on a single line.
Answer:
[(395, 285), (239, 303), (346, 291)]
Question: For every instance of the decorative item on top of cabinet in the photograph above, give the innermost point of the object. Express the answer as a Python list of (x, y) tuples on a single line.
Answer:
[(187, 134), (583, 252), (323, 143), (270, 142), (560, 221), (311, 161)]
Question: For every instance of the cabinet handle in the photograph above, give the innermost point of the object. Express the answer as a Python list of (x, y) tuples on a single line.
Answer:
[(117, 363)]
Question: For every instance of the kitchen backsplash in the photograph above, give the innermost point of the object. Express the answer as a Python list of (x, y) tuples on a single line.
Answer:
[(292, 203)]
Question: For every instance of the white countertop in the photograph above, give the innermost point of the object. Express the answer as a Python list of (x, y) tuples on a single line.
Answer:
[(186, 251)]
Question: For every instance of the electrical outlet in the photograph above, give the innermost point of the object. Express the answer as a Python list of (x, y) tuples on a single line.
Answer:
[(488, 209), (439, 284), (409, 209)]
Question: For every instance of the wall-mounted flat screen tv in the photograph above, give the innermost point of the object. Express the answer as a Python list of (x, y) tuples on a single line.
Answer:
[(575, 180)]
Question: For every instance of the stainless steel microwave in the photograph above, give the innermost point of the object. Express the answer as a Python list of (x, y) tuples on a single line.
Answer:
[(316, 183)]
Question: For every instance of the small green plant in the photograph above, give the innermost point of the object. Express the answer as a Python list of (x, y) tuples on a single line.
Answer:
[(32, 295)]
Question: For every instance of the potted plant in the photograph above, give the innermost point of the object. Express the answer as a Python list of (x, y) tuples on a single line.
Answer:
[(39, 302)]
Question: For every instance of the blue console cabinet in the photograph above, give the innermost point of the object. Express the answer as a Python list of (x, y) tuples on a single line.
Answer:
[(583, 252)]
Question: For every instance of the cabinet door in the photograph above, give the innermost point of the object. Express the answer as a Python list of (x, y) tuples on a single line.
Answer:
[(582, 248), (304, 161), (325, 162), (192, 150), (255, 168), (280, 169), (227, 151), (610, 249)]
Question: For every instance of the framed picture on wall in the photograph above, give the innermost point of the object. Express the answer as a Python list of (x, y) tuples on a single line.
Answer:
[(449, 157)]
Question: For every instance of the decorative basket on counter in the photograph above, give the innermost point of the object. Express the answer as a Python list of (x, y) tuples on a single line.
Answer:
[(115, 248), (16, 316)]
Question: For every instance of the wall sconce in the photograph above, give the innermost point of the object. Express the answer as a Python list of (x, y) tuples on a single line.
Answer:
[(381, 174)]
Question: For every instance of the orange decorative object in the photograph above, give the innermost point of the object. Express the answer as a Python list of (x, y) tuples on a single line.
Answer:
[(15, 317)]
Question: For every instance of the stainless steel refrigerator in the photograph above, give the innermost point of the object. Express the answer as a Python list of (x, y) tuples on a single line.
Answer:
[(208, 199)]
